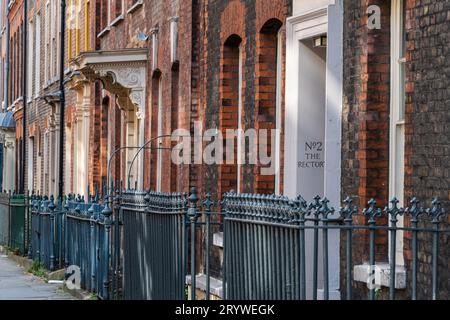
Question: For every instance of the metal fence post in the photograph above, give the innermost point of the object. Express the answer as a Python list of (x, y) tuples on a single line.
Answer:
[(300, 211), (31, 231), (347, 213), (315, 206), (52, 207), (117, 221), (207, 204), (107, 212), (66, 232), (393, 212), (415, 212), (92, 244), (224, 209), (9, 215), (193, 215), (435, 214), (372, 213), (325, 211), (38, 231)]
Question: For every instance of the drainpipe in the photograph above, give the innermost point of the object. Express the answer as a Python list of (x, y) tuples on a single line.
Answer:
[(24, 96), (62, 100), (7, 58)]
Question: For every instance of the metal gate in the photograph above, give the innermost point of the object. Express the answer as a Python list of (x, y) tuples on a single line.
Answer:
[(153, 245), (19, 221), (4, 218)]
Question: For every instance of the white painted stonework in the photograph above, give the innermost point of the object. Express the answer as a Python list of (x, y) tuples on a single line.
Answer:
[(9, 156), (216, 286), (382, 275), (313, 117), (124, 74), (302, 6)]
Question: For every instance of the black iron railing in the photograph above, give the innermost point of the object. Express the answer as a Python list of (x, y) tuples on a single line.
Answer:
[(150, 245)]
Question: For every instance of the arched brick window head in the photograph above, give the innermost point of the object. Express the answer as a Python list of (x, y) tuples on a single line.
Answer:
[(230, 109), (268, 99)]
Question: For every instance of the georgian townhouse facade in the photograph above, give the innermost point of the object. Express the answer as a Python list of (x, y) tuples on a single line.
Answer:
[(7, 123), (43, 98), (395, 141), (242, 87), (15, 86), (377, 96), (126, 61), (126, 64), (355, 91)]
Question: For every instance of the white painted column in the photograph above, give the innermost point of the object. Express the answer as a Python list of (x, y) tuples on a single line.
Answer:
[(141, 140), (85, 141), (30, 165), (76, 143), (159, 141), (68, 160), (81, 138), (333, 133), (313, 118), (55, 153), (131, 141), (9, 161)]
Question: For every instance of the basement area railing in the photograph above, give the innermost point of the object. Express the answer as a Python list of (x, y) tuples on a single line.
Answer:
[(150, 245)]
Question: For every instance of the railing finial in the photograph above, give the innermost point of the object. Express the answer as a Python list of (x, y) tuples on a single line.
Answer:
[(437, 212)]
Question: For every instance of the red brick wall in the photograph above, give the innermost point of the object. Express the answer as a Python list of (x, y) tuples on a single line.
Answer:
[(152, 14), (365, 135), (427, 136), (246, 20)]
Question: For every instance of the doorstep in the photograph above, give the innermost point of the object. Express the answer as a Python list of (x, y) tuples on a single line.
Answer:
[(382, 275), (216, 288)]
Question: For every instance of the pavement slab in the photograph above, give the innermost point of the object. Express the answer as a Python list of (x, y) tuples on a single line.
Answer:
[(16, 284)]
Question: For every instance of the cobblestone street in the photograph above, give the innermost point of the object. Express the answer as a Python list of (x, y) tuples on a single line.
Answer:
[(15, 284)]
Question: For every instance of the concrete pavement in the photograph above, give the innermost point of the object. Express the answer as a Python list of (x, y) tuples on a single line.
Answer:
[(16, 284)]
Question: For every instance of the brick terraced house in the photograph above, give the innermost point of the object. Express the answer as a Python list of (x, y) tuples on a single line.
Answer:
[(357, 90)]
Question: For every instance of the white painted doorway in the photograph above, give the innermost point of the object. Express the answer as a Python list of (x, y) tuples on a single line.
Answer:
[(313, 122), (311, 119)]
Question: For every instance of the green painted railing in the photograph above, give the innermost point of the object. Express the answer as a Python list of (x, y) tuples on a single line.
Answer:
[(14, 221)]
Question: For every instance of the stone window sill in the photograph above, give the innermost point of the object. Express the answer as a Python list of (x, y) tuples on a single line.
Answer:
[(382, 275), (117, 20), (135, 6), (104, 32)]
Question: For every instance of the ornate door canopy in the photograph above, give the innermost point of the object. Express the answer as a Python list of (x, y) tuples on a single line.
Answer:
[(123, 73)]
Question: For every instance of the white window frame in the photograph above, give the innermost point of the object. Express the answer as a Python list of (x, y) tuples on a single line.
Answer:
[(68, 158), (173, 39), (240, 128), (30, 71), (37, 65), (118, 18), (46, 160), (160, 141), (155, 46), (278, 114), (397, 121), (30, 164)]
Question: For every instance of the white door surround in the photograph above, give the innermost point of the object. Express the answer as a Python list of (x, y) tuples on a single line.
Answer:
[(328, 20), (124, 74)]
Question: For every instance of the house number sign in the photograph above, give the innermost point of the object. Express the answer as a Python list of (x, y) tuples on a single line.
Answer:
[(313, 156)]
